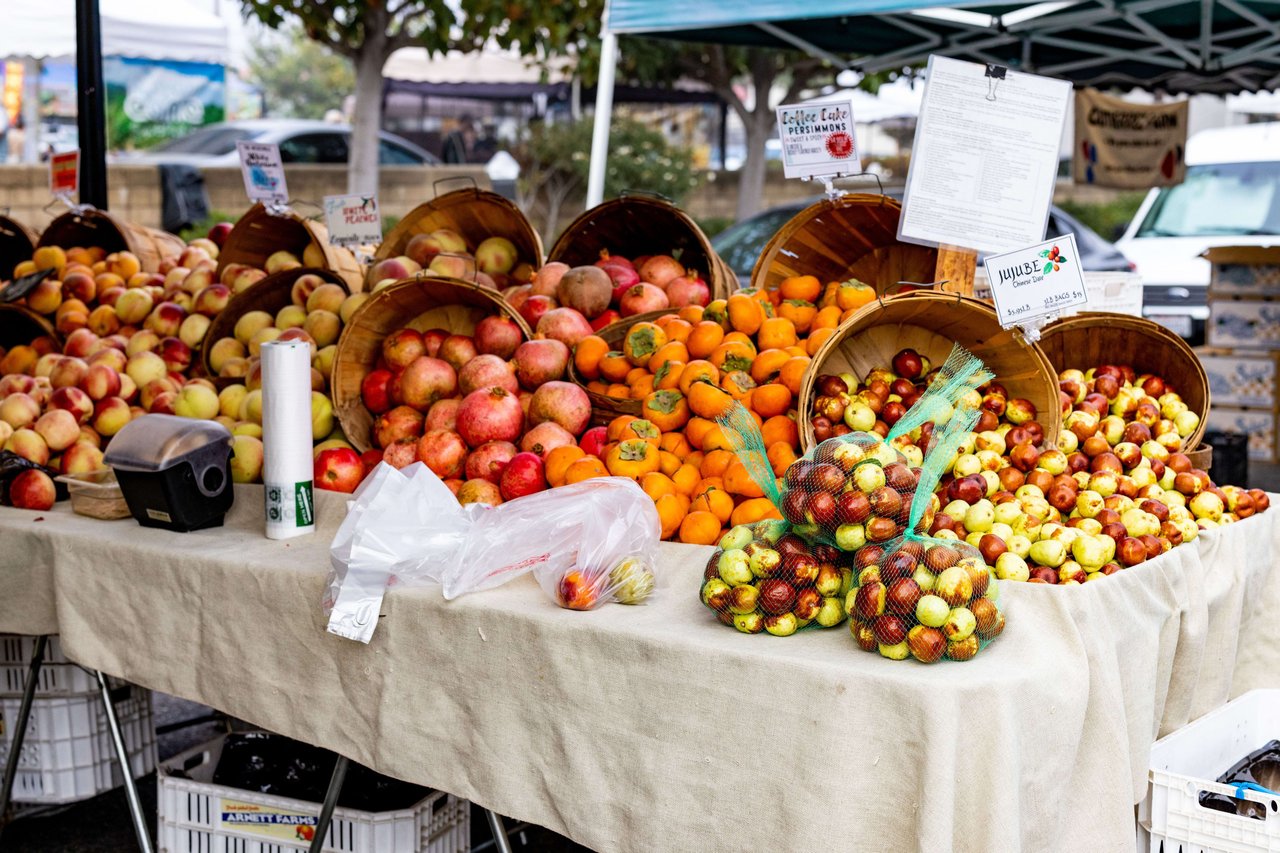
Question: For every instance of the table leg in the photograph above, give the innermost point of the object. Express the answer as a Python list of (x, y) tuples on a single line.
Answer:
[(122, 756), (499, 831), (330, 803), (20, 726)]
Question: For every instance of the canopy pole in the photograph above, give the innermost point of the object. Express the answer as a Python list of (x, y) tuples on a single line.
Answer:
[(604, 115), (91, 111)]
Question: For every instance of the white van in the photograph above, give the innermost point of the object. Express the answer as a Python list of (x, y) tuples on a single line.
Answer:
[(1231, 197)]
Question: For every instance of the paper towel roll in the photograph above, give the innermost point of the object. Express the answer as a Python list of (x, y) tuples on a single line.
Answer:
[(286, 438)]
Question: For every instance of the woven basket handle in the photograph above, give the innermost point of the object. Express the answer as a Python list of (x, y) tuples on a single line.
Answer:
[(435, 185), (649, 193)]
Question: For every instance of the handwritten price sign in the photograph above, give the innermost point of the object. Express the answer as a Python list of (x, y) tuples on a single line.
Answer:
[(1036, 281)]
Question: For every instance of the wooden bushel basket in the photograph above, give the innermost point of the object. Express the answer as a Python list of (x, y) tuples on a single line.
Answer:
[(259, 234), (19, 326), (419, 303), (852, 236), (634, 225), (92, 227), (17, 242), (603, 407), (473, 213), (1094, 339), (930, 323), (270, 294)]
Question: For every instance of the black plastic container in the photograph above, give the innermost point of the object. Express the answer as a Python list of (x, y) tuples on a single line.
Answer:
[(175, 473), (1230, 458)]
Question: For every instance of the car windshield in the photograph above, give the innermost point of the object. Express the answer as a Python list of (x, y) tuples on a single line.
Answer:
[(1232, 199), (740, 245), (210, 140)]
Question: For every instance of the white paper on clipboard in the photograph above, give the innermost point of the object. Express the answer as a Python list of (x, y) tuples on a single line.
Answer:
[(985, 157)]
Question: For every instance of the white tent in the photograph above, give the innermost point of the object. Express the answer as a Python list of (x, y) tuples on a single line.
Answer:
[(145, 29), (491, 65)]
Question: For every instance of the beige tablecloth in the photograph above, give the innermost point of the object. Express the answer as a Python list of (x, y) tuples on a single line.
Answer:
[(655, 728), (26, 572)]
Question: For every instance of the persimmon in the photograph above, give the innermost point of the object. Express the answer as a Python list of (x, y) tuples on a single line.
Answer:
[(676, 327), (695, 371), (776, 333), (641, 386), (643, 429), (738, 383), (587, 355), (613, 430), (668, 410), (618, 390), (656, 484), (826, 318), (614, 366), (717, 311), (642, 341), (767, 401), (668, 462), (584, 469), (704, 338), (668, 352), (767, 364), (816, 339), (557, 462), (675, 442), (780, 428), (632, 458), (696, 430), (738, 481), (780, 455), (716, 439), (752, 510), (716, 501), (671, 512), (667, 377), (598, 387), (691, 314), (635, 374), (700, 528), (792, 373), (853, 294), (686, 478), (805, 287), (716, 462), (708, 401), (732, 355), (745, 313), (799, 312)]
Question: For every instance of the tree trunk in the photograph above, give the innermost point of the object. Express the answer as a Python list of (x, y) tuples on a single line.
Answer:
[(362, 171), (751, 178)]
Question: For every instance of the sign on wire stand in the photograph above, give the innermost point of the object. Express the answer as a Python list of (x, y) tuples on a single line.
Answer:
[(64, 173), (263, 172), (1037, 282), (817, 140), (985, 157), (353, 220)]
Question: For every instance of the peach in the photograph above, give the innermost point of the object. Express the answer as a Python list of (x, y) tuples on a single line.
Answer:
[(246, 278), (49, 256), (155, 388), (42, 391), (251, 407), (101, 381), (79, 285), (317, 380), (176, 354), (123, 264), (175, 277), (191, 256), (321, 416), (230, 398), (59, 429), (303, 287), (397, 268), (44, 366), (104, 321), (134, 305), (45, 297), (313, 255), (291, 317), (246, 459), (212, 300), (230, 271), (247, 428), (144, 279), (234, 368), (5, 432), (349, 306), (73, 400), (19, 410), (445, 240), (196, 401), (68, 371), (260, 337), (323, 360), (165, 319), (110, 415), (109, 297), (80, 343), (162, 403), (453, 266), (16, 383), (324, 327), (193, 329), (183, 300), (384, 283), (223, 350), (33, 490), (327, 297), (67, 323), (145, 367), (280, 261), (89, 435), (28, 444), (210, 248), (298, 334), (144, 340), (81, 458), (496, 255), (24, 268), (111, 357), (250, 323), (20, 359), (197, 281), (128, 388), (201, 380)]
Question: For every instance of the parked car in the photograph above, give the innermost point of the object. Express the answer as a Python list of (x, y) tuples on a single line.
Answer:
[(1231, 197), (741, 244), (300, 141)]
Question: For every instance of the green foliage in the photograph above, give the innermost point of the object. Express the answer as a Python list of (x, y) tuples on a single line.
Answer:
[(1109, 218), (349, 26), (201, 228), (713, 225), (389, 222), (299, 78)]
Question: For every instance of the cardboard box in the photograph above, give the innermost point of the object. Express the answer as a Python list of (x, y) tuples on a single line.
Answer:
[(1244, 271), (1244, 323), (1117, 292), (1242, 378), (1258, 424)]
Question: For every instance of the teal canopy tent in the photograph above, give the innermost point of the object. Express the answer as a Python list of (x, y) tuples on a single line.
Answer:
[(1214, 46)]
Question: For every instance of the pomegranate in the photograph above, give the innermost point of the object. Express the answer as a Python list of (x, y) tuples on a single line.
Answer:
[(490, 414), (547, 280), (443, 414), (563, 403), (516, 296), (523, 476), (594, 440), (432, 339), (489, 460), (423, 382), (660, 270), (400, 348), (375, 390), (540, 361), (400, 422), (642, 298), (401, 453), (607, 260), (457, 350), (455, 485), (479, 492), (688, 290), (586, 289), (443, 452), (621, 278), (605, 319), (498, 335), (563, 324), (534, 307), (546, 437), (485, 371)]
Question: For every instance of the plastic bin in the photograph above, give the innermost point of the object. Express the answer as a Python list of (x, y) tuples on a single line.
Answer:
[(198, 816), (1186, 762), (58, 676), (67, 754)]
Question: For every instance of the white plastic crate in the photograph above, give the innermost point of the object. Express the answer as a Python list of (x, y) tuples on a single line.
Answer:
[(67, 754), (1186, 762), (198, 816), (58, 676)]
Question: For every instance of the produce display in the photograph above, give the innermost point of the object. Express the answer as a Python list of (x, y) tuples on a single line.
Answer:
[(494, 262)]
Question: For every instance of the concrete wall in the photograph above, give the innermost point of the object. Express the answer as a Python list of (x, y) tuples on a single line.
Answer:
[(134, 191)]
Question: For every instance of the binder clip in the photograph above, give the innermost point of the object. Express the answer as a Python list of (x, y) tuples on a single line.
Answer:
[(995, 73)]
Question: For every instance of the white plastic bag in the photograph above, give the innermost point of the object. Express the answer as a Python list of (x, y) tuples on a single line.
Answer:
[(587, 543)]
